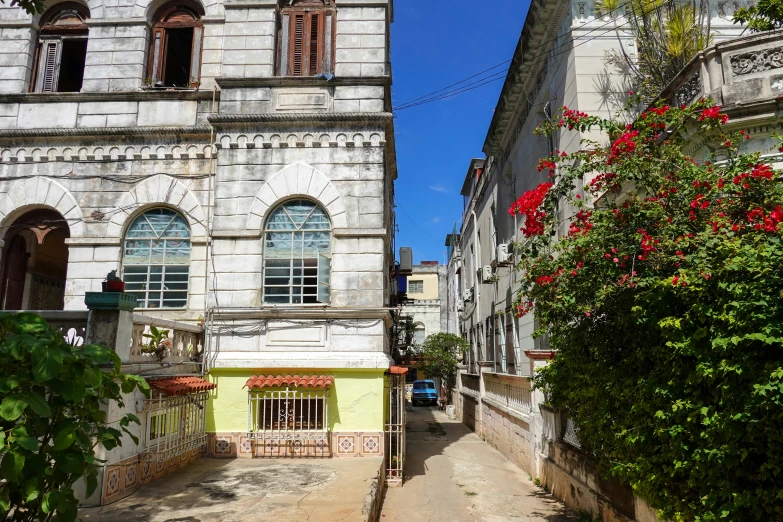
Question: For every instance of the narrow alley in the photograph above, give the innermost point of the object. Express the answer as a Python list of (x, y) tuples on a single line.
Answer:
[(454, 476)]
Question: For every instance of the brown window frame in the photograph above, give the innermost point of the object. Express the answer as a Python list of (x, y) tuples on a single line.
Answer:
[(324, 53), (158, 48), (50, 40)]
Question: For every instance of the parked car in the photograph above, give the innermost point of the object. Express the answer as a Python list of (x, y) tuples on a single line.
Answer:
[(424, 392)]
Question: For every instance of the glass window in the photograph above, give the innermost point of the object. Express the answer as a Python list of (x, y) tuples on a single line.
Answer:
[(156, 259), (297, 253)]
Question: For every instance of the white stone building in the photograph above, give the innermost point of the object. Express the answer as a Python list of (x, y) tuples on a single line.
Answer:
[(560, 60), (426, 300), (234, 162)]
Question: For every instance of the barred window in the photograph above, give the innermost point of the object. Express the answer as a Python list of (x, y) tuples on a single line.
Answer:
[(288, 411), (297, 254), (156, 260)]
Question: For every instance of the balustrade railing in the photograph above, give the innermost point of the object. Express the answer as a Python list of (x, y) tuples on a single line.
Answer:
[(71, 323), (471, 384), (184, 342), (508, 391)]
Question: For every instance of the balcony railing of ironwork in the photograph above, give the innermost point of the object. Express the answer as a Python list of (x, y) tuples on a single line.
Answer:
[(175, 425), (471, 385), (508, 391)]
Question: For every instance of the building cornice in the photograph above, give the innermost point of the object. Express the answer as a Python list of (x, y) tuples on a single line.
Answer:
[(304, 117), (300, 81), (77, 97), (543, 18), (194, 130)]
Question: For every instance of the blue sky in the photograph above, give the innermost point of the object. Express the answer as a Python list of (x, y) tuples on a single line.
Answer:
[(434, 44)]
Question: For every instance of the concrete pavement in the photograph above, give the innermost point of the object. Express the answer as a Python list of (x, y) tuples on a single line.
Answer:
[(322, 490), (453, 476)]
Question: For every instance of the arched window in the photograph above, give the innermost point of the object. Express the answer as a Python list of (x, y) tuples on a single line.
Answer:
[(306, 38), (419, 334), (175, 49), (297, 251), (156, 260), (62, 49)]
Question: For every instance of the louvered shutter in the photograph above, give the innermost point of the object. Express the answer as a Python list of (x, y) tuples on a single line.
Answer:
[(297, 44), (195, 60), (156, 60), (48, 65), (314, 41)]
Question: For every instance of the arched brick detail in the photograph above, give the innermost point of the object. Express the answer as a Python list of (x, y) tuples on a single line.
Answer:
[(298, 179), (157, 190), (39, 192)]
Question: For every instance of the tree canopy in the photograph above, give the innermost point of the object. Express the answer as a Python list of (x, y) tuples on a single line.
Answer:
[(438, 358)]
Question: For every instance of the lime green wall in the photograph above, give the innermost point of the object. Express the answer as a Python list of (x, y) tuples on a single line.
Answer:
[(356, 401)]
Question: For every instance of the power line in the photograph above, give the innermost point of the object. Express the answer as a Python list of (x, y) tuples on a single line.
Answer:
[(414, 223), (422, 100)]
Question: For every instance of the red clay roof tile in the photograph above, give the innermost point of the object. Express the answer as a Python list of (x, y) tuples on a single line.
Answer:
[(181, 385), (288, 381)]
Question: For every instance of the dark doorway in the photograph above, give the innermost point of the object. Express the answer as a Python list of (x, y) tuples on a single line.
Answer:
[(72, 61), (36, 255), (179, 50), (15, 270)]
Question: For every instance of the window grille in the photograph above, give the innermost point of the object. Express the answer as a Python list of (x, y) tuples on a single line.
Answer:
[(297, 250), (288, 414), (175, 425), (156, 262)]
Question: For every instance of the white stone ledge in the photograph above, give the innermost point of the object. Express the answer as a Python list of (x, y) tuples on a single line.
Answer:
[(303, 360)]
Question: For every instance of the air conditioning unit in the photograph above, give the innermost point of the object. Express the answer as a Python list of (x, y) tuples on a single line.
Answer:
[(487, 276), (505, 255), (467, 294)]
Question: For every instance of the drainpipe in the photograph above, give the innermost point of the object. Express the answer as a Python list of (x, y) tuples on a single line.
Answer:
[(477, 263)]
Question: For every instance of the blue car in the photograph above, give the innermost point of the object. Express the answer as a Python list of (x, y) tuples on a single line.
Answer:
[(424, 392)]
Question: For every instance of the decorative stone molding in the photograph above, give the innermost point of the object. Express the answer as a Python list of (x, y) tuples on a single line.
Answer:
[(273, 117), (298, 179), (689, 90), (39, 192), (300, 140), (195, 130), (105, 152), (160, 189), (139, 95), (757, 61)]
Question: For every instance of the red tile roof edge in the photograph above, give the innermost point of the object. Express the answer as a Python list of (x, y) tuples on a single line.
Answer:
[(181, 385), (288, 381)]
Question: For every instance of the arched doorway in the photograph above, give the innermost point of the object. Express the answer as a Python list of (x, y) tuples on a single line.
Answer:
[(34, 262)]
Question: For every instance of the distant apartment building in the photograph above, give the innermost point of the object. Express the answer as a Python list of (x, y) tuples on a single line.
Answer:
[(426, 300)]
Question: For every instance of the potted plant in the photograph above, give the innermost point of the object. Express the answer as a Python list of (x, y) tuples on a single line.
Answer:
[(113, 283), (159, 343)]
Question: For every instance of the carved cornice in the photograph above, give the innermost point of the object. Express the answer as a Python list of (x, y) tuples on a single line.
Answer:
[(304, 117), (527, 65), (302, 81), (195, 130), (140, 95), (756, 61)]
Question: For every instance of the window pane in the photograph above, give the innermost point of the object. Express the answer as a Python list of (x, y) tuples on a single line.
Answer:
[(157, 257)]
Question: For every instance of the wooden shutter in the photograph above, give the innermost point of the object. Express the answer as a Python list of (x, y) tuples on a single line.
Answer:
[(297, 44), (49, 65), (314, 44), (306, 47), (195, 60), (156, 56)]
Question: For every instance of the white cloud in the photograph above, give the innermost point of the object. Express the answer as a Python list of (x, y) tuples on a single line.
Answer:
[(436, 219), (439, 188)]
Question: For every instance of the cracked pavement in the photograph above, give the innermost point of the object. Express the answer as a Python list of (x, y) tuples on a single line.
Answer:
[(454, 476)]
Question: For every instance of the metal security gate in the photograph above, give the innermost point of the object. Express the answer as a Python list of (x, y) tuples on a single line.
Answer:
[(395, 427)]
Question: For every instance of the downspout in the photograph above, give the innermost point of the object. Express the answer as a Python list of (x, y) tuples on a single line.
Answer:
[(208, 257)]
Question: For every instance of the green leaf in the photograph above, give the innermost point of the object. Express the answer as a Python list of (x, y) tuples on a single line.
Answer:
[(31, 489), (74, 390), (13, 406), (5, 501), (97, 354), (47, 362), (65, 436), (90, 483), (39, 405), (71, 462), (93, 377), (51, 501), (12, 465), (8, 383)]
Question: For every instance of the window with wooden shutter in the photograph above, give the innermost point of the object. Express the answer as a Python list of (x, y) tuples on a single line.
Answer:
[(305, 39), (175, 46), (62, 49)]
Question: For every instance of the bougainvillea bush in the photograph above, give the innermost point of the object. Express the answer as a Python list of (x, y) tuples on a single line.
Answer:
[(665, 305)]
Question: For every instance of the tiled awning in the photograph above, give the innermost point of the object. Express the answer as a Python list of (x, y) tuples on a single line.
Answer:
[(288, 381), (181, 385), (398, 370)]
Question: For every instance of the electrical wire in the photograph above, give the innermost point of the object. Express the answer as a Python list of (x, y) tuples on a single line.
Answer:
[(500, 75)]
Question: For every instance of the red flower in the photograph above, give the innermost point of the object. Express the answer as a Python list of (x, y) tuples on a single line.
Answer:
[(675, 279), (528, 205), (625, 144)]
